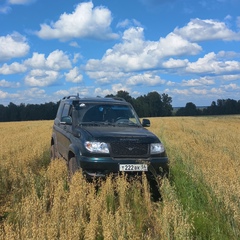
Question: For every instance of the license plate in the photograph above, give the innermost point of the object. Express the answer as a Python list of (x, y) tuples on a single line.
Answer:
[(133, 167)]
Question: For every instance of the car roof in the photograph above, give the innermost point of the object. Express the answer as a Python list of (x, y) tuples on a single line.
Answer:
[(95, 99)]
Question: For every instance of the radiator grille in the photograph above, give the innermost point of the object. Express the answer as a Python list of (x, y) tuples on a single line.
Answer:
[(129, 149)]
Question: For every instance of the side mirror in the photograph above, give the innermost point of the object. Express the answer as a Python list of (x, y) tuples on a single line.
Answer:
[(66, 120), (146, 122)]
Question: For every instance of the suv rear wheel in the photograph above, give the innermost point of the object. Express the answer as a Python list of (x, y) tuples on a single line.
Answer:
[(53, 152), (72, 166)]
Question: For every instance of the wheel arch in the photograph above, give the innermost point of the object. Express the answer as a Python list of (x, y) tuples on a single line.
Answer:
[(53, 139), (53, 149), (74, 152)]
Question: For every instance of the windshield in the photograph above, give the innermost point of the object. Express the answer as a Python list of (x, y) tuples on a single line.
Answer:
[(109, 114)]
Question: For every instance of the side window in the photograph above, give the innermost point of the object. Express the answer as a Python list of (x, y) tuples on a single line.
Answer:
[(66, 110)]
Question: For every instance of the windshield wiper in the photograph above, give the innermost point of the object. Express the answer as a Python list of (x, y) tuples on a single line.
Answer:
[(119, 124), (131, 124), (93, 123)]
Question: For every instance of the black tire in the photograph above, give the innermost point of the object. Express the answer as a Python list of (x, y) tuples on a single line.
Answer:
[(72, 166), (155, 191), (53, 152)]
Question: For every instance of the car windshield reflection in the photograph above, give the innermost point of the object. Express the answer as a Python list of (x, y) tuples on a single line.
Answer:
[(107, 115)]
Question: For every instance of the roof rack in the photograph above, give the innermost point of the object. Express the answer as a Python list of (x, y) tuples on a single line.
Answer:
[(72, 96), (117, 98)]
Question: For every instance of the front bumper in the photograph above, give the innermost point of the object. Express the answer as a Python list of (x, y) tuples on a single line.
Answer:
[(102, 167)]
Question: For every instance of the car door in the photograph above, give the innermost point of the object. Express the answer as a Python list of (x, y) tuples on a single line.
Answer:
[(65, 129)]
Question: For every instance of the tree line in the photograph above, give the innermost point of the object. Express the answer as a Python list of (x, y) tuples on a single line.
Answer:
[(151, 105), (28, 112), (221, 107)]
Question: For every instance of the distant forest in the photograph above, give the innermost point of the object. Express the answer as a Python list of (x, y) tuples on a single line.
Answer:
[(151, 105)]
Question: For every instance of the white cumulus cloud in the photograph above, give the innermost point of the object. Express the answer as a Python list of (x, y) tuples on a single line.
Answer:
[(7, 84), (56, 60), (41, 78), (198, 82), (212, 63), (74, 76), (84, 21), (145, 79), (13, 68), (208, 29), (135, 53), (13, 46)]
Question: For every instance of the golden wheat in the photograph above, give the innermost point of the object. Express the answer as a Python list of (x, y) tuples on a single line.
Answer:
[(38, 202), (210, 146)]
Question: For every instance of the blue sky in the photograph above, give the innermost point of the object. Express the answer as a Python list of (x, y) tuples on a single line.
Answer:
[(187, 49)]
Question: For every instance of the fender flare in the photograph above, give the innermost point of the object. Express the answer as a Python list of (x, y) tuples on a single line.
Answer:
[(74, 150)]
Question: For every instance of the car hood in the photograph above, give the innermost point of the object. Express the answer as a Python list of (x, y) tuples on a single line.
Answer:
[(116, 133)]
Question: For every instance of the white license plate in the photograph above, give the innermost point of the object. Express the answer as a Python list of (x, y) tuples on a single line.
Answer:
[(133, 167)]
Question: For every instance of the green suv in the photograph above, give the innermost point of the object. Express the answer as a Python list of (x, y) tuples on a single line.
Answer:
[(103, 136)]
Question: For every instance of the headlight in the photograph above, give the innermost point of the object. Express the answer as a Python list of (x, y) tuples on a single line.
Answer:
[(96, 147), (156, 148)]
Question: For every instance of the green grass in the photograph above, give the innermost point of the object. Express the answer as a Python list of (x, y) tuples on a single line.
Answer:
[(209, 219)]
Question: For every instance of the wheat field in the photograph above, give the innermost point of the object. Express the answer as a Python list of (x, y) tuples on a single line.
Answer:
[(200, 200)]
